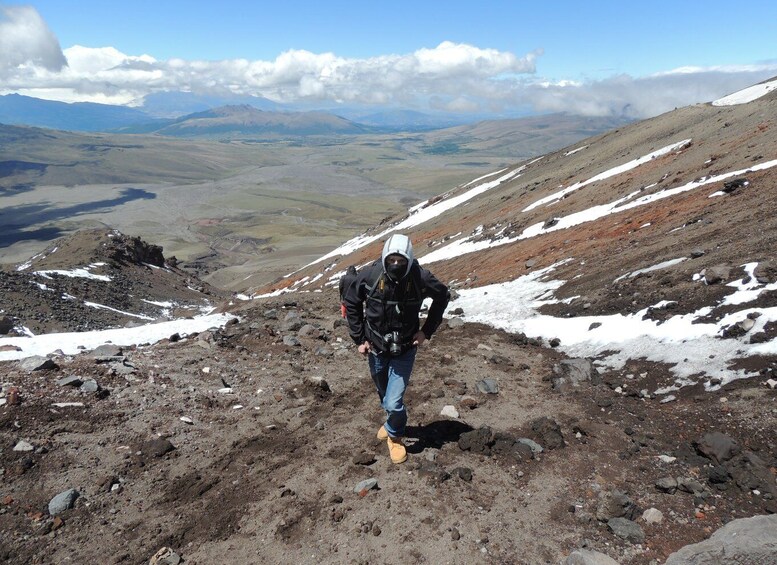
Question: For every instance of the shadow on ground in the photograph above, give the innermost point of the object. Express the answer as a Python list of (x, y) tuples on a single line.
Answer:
[(14, 219), (436, 434)]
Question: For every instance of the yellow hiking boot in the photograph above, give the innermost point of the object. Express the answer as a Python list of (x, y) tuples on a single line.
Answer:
[(382, 433), (397, 450)]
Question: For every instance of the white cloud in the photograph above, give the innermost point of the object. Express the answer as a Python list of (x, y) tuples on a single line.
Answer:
[(642, 97), (453, 77), (25, 39)]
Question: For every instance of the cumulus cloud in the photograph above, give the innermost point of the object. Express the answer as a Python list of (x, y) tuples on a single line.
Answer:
[(451, 77), (641, 97), (25, 39)]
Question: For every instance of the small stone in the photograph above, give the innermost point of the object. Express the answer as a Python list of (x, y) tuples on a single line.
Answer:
[(449, 412), (669, 398), (24, 446), (487, 386), (165, 556), (37, 363), (107, 350), (186, 420), (291, 341), (72, 380), (626, 529), (455, 535), (63, 501), (535, 447), (464, 473), (469, 402), (652, 516), (667, 485), (89, 386), (318, 382), (365, 485), (375, 530), (158, 447)]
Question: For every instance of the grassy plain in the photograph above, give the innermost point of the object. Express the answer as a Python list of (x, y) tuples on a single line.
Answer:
[(240, 212)]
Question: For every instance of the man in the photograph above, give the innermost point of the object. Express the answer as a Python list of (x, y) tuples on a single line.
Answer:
[(382, 306)]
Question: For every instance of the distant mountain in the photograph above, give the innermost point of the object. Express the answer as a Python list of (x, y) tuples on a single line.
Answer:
[(16, 109), (246, 121), (409, 120), (177, 104)]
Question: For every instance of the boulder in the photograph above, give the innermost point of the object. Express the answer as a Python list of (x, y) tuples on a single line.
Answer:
[(614, 504), (63, 501), (107, 350), (717, 446), (626, 529), (717, 274), (6, 325), (37, 363), (747, 540), (549, 432), (765, 272), (571, 373)]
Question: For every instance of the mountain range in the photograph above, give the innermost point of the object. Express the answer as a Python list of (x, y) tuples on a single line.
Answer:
[(168, 109)]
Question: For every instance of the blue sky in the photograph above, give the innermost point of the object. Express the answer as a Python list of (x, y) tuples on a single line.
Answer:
[(543, 54)]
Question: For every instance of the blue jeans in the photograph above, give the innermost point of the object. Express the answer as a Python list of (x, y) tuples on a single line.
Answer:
[(391, 376)]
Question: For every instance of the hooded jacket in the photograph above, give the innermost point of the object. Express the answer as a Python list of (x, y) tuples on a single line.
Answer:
[(376, 304)]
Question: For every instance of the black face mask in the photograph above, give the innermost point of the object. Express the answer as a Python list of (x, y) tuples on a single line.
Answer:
[(396, 272)]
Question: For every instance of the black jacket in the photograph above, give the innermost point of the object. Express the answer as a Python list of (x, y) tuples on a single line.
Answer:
[(393, 306)]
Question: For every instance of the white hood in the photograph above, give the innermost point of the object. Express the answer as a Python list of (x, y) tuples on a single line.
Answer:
[(398, 244)]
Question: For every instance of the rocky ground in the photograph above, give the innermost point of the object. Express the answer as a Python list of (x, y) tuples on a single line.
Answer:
[(123, 281), (251, 444)]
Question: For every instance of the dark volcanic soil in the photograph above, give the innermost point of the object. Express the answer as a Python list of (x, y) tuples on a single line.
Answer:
[(266, 472)]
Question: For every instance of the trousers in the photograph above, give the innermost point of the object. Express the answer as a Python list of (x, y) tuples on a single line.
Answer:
[(391, 376)]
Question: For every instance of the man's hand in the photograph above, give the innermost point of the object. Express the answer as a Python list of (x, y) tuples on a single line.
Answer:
[(365, 348), (419, 338)]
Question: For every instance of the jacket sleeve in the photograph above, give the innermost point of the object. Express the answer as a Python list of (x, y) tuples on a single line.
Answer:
[(354, 297), (440, 296)]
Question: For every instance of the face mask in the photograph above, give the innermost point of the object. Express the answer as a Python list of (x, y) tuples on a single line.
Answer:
[(396, 272)]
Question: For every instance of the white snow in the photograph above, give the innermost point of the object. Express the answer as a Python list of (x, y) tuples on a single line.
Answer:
[(555, 197), (659, 266), (420, 215), (694, 350), (82, 273), (103, 307), (69, 342), (746, 95), (568, 153)]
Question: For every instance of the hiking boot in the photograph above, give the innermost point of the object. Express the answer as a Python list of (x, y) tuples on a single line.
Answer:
[(382, 433), (397, 450)]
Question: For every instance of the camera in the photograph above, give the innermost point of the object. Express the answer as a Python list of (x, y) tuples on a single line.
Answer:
[(394, 343)]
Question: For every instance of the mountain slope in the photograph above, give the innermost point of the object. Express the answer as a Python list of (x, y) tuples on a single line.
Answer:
[(243, 120), (16, 109), (597, 225)]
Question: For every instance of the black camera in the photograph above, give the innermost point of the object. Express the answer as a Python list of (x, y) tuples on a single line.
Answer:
[(392, 340)]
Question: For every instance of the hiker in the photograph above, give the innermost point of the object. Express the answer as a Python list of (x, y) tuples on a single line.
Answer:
[(382, 307)]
